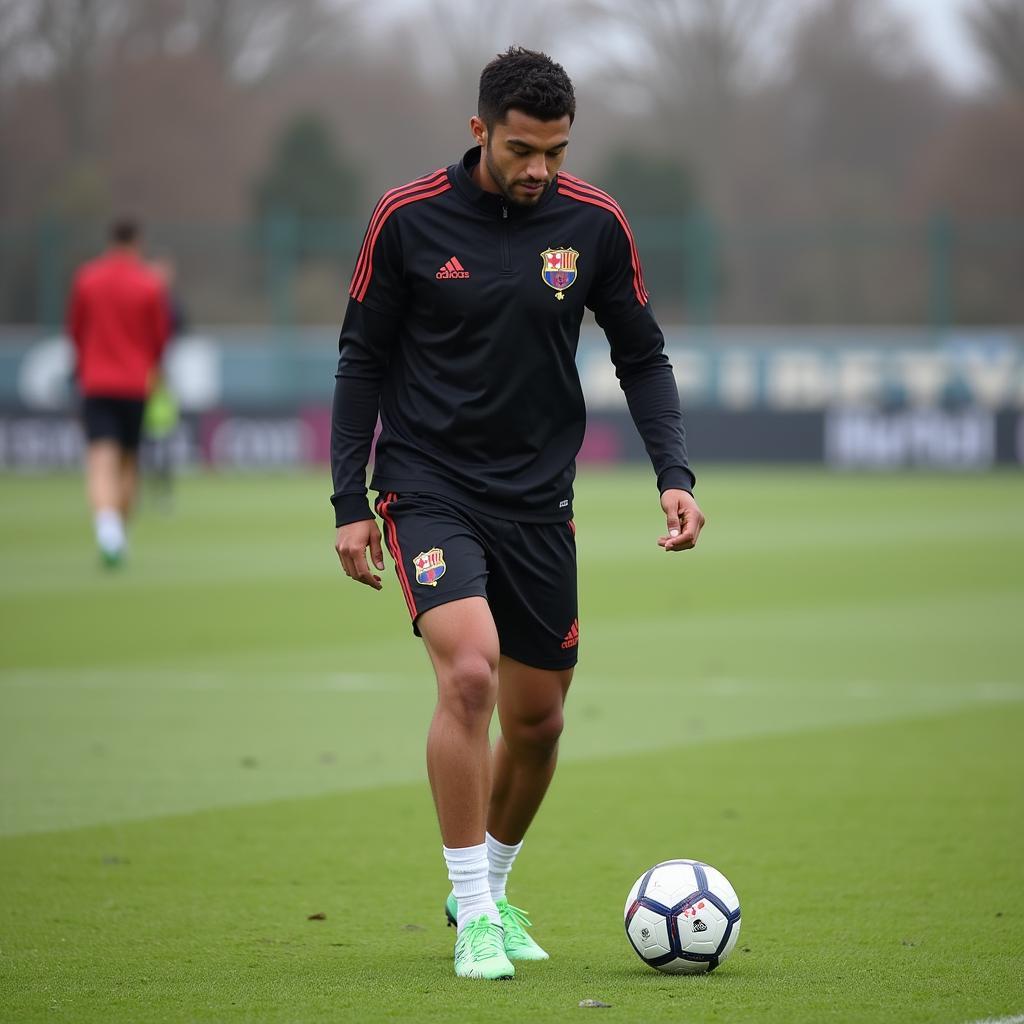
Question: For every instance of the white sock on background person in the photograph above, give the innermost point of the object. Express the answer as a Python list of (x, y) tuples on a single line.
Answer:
[(467, 869), (499, 861), (109, 531)]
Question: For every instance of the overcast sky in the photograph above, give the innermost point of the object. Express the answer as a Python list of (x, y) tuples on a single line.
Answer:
[(943, 35), (945, 38)]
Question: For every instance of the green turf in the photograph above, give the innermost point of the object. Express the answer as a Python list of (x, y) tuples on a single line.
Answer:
[(825, 701)]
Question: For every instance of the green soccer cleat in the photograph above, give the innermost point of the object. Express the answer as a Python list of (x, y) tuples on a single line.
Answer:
[(518, 944), (480, 951), (111, 559)]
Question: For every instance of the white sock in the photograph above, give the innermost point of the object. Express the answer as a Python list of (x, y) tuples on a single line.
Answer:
[(467, 869), (499, 864), (110, 531)]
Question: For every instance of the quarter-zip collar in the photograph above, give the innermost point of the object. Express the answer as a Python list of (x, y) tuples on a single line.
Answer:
[(461, 175)]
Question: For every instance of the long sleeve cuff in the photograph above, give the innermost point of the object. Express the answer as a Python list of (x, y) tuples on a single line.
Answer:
[(350, 508), (676, 478)]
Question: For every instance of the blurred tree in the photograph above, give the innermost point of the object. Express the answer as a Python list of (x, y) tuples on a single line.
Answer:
[(803, 125), (307, 178), (692, 61), (15, 23), (469, 40), (857, 102), (68, 40), (247, 39), (647, 184), (658, 193), (823, 156), (975, 172), (698, 50), (254, 39), (997, 27), (81, 193)]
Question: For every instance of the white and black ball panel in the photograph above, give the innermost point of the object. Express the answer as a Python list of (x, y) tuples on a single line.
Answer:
[(701, 914), (720, 886), (730, 943), (701, 927), (670, 884), (648, 931), (679, 966)]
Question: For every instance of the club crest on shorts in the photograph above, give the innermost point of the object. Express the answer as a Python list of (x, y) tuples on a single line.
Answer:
[(558, 269), (430, 566)]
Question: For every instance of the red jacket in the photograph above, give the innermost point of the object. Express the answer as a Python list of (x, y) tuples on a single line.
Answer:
[(119, 323)]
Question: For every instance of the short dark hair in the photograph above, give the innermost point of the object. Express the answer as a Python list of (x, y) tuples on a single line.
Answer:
[(125, 231), (526, 80)]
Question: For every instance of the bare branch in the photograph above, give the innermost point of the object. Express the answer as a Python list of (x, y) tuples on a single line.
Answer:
[(997, 27)]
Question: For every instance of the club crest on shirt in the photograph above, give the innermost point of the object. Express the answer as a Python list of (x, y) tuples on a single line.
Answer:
[(558, 269), (430, 566)]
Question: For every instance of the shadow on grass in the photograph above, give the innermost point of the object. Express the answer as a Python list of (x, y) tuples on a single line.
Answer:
[(649, 976)]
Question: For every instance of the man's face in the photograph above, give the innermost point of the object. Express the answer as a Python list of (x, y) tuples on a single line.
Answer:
[(521, 155)]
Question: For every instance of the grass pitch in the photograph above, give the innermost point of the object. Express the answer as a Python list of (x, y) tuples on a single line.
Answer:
[(825, 701)]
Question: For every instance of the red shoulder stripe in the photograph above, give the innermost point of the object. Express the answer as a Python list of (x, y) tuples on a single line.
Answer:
[(585, 186), (595, 196), (421, 188), (358, 291), (381, 207), (578, 189), (639, 286)]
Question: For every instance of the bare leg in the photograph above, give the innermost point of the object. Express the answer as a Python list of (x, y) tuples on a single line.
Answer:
[(129, 482), (103, 475), (463, 646), (530, 702), (105, 487)]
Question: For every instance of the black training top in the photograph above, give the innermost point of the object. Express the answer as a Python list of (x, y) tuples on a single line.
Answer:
[(461, 330)]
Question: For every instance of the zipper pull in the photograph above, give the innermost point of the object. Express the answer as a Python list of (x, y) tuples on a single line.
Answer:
[(504, 212)]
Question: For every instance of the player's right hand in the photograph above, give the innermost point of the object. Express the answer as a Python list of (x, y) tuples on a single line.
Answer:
[(351, 543)]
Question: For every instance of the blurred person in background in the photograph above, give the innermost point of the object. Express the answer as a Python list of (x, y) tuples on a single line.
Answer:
[(162, 414), (461, 331), (119, 322)]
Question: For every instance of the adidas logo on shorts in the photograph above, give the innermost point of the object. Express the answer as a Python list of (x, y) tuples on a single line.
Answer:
[(572, 638)]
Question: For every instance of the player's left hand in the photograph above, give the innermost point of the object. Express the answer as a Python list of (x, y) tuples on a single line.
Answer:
[(683, 518)]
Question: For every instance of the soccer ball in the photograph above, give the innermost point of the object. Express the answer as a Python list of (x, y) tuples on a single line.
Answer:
[(682, 917)]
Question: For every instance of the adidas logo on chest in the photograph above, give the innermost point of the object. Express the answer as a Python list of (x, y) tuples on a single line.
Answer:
[(452, 269)]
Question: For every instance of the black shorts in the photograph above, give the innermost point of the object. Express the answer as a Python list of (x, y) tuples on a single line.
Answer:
[(113, 419), (444, 551)]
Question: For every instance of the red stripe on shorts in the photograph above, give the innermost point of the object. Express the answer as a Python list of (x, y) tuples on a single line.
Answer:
[(391, 532)]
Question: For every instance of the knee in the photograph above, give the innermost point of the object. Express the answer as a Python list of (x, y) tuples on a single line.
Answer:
[(536, 736), (469, 686)]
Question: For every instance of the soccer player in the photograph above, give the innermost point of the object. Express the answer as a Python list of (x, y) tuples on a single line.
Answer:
[(119, 323), (461, 333)]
